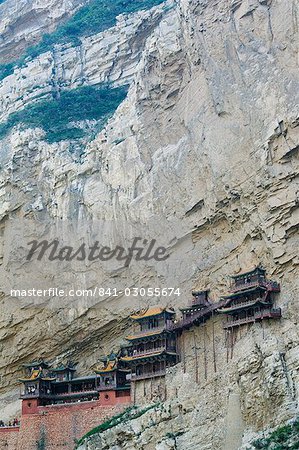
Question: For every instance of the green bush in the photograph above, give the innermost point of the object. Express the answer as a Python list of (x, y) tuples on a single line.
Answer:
[(56, 116), (282, 434), (97, 16), (259, 444), (280, 439)]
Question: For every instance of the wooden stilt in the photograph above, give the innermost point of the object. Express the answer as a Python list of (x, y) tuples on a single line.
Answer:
[(183, 353), (214, 348), (195, 358), (205, 351)]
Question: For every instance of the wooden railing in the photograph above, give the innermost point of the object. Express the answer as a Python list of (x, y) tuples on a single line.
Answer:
[(232, 307), (72, 394), (148, 331), (35, 394), (274, 313), (269, 285), (107, 387), (151, 351), (146, 375)]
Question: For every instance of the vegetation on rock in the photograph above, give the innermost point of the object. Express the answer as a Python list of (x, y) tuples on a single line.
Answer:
[(57, 116), (284, 438), (130, 413), (90, 19)]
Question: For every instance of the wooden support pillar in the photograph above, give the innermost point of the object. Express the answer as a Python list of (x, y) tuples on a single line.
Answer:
[(205, 352), (214, 349), (195, 358)]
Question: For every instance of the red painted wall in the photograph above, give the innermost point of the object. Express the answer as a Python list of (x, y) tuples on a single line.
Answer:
[(9, 438), (29, 406), (57, 427)]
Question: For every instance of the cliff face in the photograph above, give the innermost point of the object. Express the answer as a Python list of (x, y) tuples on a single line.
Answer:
[(22, 23), (202, 156)]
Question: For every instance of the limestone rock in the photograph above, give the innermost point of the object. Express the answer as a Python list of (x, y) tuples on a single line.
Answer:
[(201, 156)]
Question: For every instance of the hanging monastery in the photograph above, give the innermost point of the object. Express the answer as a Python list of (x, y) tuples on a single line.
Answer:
[(58, 405)]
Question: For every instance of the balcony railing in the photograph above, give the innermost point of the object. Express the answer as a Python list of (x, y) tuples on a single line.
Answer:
[(107, 387), (36, 394), (269, 285), (58, 395), (148, 331), (274, 313), (245, 304), (147, 375), (149, 352)]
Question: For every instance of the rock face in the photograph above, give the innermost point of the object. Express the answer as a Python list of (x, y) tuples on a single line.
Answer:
[(23, 22), (108, 57), (217, 397), (202, 156)]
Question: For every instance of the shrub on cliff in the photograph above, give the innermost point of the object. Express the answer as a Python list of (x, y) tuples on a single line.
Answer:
[(284, 438), (93, 18), (57, 116)]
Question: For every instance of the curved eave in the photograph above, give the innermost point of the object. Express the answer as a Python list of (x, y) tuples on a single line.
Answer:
[(153, 312), (24, 380), (103, 372), (36, 364)]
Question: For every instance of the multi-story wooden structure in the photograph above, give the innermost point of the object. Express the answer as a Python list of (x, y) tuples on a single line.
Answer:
[(36, 385), (45, 386), (156, 343), (112, 379), (153, 347), (251, 299)]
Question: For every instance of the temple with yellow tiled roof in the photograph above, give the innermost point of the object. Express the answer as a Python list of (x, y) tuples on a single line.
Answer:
[(153, 347), (112, 374), (43, 385)]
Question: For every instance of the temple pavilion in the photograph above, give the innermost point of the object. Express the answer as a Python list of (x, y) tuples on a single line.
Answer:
[(251, 299), (48, 386), (152, 348), (112, 374), (37, 380)]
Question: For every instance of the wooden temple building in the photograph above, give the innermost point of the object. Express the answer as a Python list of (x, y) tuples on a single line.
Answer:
[(154, 345), (44, 386), (152, 348), (111, 378), (251, 299)]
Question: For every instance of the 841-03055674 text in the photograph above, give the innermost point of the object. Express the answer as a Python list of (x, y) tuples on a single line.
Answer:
[(97, 291), (142, 292)]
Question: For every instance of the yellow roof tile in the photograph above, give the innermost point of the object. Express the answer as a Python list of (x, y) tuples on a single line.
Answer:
[(109, 368), (149, 312)]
